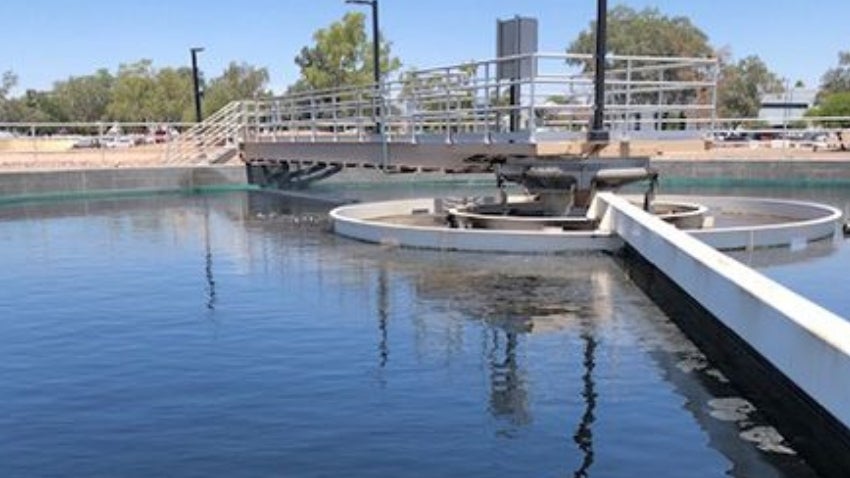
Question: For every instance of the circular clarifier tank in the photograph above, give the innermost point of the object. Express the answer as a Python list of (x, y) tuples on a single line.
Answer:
[(493, 225)]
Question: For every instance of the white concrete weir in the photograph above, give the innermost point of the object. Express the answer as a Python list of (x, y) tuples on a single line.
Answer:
[(794, 222), (808, 343), (373, 222)]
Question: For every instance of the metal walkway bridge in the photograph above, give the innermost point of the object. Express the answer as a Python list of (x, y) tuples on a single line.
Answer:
[(461, 117)]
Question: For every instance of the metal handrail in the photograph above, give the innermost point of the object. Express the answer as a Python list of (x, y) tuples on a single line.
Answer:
[(469, 102)]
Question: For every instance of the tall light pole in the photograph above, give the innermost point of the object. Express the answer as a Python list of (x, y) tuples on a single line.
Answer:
[(376, 47), (597, 133), (196, 82), (376, 54)]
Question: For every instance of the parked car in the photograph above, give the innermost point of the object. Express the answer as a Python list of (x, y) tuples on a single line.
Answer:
[(86, 142), (116, 142)]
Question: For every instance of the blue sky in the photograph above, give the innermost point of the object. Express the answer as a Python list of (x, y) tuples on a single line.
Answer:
[(47, 40)]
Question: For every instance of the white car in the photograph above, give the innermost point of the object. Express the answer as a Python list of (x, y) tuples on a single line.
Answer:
[(115, 142)]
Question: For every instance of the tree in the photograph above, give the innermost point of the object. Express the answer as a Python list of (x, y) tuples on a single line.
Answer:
[(650, 33), (7, 82), (441, 91), (239, 81), (742, 85), (837, 79), (646, 32), (341, 56), (173, 99), (84, 98), (133, 92), (833, 104)]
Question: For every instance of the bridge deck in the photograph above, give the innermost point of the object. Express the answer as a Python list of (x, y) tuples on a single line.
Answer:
[(428, 157)]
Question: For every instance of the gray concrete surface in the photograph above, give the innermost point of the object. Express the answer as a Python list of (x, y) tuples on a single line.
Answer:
[(79, 181)]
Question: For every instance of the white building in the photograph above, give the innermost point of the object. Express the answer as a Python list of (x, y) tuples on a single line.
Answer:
[(778, 109)]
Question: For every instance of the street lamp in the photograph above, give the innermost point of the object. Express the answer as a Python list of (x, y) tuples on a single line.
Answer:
[(597, 133), (376, 53), (376, 48), (196, 82)]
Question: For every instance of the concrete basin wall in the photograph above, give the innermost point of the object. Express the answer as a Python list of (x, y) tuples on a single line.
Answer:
[(747, 171), (359, 222), (62, 183), (798, 223)]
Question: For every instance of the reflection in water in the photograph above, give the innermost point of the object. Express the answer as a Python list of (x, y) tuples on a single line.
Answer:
[(383, 315), (514, 303), (543, 320), (208, 259), (584, 434), (508, 394)]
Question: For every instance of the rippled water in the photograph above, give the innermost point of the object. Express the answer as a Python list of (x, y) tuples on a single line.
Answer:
[(231, 335)]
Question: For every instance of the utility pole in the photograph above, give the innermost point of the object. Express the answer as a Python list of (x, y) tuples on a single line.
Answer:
[(597, 133), (196, 82), (376, 57)]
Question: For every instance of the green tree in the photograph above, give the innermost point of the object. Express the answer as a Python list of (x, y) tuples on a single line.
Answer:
[(646, 32), (173, 99), (33, 106), (239, 81), (439, 91), (833, 104), (837, 79), (134, 92), (341, 56), (7, 82), (742, 85), (84, 98)]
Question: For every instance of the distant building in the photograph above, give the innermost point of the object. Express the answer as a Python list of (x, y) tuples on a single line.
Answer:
[(782, 108)]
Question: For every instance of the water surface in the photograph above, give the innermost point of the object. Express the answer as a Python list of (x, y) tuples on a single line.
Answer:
[(232, 335)]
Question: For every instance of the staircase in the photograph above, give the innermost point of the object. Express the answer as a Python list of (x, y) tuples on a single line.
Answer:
[(212, 141)]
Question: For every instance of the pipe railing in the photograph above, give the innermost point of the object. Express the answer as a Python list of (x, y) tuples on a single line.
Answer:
[(664, 96), (471, 98)]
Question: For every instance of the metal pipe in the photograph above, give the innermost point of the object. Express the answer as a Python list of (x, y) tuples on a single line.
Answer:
[(196, 82)]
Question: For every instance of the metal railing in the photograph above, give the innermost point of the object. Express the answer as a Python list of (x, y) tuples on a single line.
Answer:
[(472, 102), (212, 140)]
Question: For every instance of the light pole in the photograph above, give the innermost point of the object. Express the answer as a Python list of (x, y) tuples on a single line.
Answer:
[(597, 133), (376, 55), (376, 47), (196, 82)]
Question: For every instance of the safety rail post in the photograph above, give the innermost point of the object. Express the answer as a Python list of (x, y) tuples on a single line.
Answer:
[(334, 105), (359, 116), (487, 105), (715, 79), (418, 127), (447, 104), (532, 117), (383, 129), (312, 119), (628, 93)]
